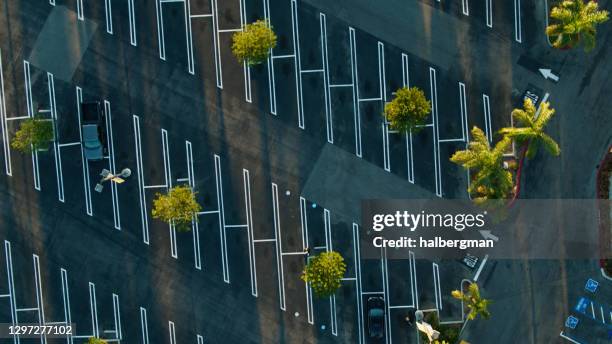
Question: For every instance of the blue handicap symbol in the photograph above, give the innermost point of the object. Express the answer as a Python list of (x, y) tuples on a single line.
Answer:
[(591, 285), (582, 305), (609, 334), (571, 322)]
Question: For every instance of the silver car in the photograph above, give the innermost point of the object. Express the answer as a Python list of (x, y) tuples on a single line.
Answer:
[(92, 131)]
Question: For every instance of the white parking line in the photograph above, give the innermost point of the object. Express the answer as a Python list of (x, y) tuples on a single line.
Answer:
[(305, 244), (221, 214), (189, 37), (132, 18), (56, 145), (408, 134), (463, 107), (298, 63), (328, 248), (382, 80), (111, 163), (39, 296), (326, 82), (94, 309), (270, 64), (84, 163), (168, 180), (144, 326), (11, 286), (172, 332), (487, 116), (357, 259), (518, 32), (108, 11), (489, 12), (279, 248), (436, 134), (386, 296), (141, 189), (413, 280), (216, 48), (250, 235), (465, 8), (79, 10), (28, 89), (66, 301), (160, 29), (117, 317), (3, 115), (355, 81), (195, 228), (437, 291)]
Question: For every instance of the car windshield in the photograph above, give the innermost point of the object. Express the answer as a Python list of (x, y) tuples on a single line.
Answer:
[(376, 312), (90, 133)]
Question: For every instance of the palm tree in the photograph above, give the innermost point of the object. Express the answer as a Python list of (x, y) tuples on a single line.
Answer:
[(491, 181), (575, 22), (532, 127), (475, 303)]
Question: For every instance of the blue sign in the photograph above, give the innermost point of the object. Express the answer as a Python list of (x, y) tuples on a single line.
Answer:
[(582, 305), (571, 322), (591, 285)]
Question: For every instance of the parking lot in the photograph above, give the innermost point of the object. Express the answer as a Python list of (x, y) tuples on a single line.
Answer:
[(179, 109)]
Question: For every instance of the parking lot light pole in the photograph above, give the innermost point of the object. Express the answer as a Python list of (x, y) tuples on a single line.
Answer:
[(107, 175)]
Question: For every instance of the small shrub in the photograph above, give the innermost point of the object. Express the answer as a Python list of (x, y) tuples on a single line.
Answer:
[(408, 110), (252, 45), (324, 273), (178, 206), (33, 134)]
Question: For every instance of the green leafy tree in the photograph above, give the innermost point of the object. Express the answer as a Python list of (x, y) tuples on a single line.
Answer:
[(491, 183), (33, 134), (324, 273), (531, 129), (254, 42), (408, 110), (477, 305), (178, 206), (94, 340), (574, 21)]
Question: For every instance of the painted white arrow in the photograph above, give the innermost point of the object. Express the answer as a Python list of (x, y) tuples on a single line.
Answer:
[(488, 235), (548, 74)]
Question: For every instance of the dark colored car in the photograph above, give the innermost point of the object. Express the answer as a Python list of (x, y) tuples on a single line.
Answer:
[(93, 131), (376, 317), (534, 93), (470, 261)]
